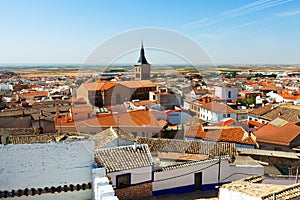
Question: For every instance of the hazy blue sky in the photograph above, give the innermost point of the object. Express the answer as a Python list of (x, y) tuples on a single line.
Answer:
[(231, 31)]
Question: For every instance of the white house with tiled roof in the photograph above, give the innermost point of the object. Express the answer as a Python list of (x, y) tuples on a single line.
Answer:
[(215, 112), (130, 169)]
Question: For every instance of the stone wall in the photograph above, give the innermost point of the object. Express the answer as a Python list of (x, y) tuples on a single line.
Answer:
[(135, 192)]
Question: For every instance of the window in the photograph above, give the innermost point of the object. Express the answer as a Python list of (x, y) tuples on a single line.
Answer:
[(144, 134), (134, 134), (228, 115), (224, 115), (123, 181), (229, 94)]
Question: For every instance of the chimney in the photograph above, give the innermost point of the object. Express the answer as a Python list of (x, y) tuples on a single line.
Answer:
[(56, 110)]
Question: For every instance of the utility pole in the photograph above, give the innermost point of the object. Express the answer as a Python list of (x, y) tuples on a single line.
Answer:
[(297, 173), (219, 170)]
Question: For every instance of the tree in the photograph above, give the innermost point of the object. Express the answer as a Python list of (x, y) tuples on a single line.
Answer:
[(79, 82)]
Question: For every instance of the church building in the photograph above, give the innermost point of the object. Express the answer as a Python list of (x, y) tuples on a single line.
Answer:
[(142, 68)]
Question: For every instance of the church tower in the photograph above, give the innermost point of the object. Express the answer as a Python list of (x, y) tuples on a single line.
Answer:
[(142, 68)]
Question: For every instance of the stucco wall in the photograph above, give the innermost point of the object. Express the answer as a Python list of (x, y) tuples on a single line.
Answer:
[(45, 165), (182, 179), (138, 175)]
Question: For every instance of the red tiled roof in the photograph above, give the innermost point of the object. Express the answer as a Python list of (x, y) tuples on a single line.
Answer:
[(137, 84), (262, 110), (269, 87), (93, 86), (134, 118), (108, 85), (280, 134), (226, 134), (231, 134), (143, 102), (218, 107), (225, 123), (34, 94), (289, 96), (195, 131), (254, 123)]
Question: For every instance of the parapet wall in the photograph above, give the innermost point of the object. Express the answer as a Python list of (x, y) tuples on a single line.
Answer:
[(45, 165)]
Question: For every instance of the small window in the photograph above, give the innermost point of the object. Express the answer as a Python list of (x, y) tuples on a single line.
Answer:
[(228, 115), (229, 94), (250, 118), (256, 120), (123, 181), (224, 115), (144, 134)]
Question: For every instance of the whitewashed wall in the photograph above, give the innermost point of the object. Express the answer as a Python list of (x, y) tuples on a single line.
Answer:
[(75, 195), (185, 175), (222, 92), (138, 175), (45, 165), (225, 194)]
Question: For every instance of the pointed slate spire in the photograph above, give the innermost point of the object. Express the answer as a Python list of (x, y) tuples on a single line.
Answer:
[(142, 58)]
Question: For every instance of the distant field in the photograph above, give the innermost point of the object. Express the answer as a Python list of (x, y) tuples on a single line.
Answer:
[(52, 72), (42, 71)]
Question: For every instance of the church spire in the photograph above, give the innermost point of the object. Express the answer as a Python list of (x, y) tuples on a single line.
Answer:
[(142, 58)]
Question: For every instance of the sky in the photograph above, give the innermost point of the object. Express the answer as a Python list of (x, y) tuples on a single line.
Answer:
[(230, 31)]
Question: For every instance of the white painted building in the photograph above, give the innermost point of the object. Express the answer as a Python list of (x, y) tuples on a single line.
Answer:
[(177, 117), (47, 171), (215, 112), (273, 96), (227, 93), (200, 175), (6, 87), (129, 168)]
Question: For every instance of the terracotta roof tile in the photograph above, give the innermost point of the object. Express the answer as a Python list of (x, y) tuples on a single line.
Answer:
[(188, 146), (232, 134), (254, 123), (281, 134), (137, 84), (269, 87), (133, 118), (218, 107), (224, 134), (262, 110), (93, 86), (34, 94), (225, 122), (284, 112), (123, 158), (108, 85)]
